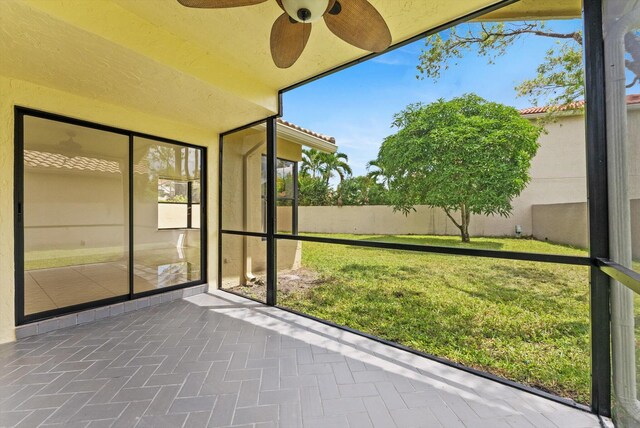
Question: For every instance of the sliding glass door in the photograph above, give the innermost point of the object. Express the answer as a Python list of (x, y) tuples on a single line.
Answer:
[(166, 208), (103, 215), (76, 238)]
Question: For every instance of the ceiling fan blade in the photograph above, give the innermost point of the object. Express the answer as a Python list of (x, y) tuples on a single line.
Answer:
[(288, 40), (215, 4), (358, 23)]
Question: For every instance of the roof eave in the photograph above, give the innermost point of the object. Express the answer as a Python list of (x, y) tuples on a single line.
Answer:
[(302, 138)]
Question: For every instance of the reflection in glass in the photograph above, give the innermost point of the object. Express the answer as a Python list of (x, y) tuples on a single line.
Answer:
[(286, 196), (243, 183), (75, 215), (166, 237)]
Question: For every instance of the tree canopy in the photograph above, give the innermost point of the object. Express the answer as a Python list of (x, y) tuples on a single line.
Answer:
[(466, 155), (559, 78), (321, 164), (313, 191), (361, 190)]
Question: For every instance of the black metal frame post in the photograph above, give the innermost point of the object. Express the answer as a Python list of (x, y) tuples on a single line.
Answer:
[(18, 209), (598, 205), (294, 213), (131, 217), (204, 220), (272, 268), (220, 153), (189, 202)]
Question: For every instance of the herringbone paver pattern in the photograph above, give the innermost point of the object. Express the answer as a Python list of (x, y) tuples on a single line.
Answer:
[(220, 361)]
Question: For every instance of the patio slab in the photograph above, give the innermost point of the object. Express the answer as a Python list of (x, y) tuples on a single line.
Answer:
[(220, 360)]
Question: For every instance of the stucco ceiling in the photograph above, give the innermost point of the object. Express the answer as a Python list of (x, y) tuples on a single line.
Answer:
[(210, 67)]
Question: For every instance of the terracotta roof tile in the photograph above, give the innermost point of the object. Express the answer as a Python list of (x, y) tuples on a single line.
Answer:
[(38, 159), (631, 99), (307, 131)]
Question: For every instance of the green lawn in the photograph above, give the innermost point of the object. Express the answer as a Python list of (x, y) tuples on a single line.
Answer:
[(525, 321)]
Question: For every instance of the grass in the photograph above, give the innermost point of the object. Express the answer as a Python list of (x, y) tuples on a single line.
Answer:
[(525, 321)]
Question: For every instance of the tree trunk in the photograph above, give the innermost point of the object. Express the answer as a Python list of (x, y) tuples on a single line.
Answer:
[(465, 217)]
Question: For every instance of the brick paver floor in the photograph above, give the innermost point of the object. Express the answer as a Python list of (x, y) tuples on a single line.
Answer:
[(218, 360)]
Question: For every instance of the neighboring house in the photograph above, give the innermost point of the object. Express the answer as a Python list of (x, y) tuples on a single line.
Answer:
[(554, 205)]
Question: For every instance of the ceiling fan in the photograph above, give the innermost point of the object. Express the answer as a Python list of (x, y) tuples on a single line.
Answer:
[(356, 22)]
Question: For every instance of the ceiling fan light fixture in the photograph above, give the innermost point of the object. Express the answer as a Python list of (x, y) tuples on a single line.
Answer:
[(305, 10)]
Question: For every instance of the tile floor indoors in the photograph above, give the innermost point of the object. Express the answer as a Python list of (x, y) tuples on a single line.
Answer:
[(53, 288), (219, 360)]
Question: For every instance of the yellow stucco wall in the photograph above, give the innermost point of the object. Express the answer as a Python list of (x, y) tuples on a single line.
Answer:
[(21, 93), (243, 210)]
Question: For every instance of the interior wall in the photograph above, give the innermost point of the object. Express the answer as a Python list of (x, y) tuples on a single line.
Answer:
[(14, 92), (75, 228), (249, 146)]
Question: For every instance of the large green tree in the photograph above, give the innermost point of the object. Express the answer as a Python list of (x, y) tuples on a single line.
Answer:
[(558, 79), (466, 156)]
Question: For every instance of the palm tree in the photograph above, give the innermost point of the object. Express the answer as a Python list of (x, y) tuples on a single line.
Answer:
[(378, 173), (335, 162), (312, 163)]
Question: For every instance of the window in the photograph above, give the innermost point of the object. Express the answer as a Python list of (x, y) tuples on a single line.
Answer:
[(286, 195), (285, 182), (178, 201)]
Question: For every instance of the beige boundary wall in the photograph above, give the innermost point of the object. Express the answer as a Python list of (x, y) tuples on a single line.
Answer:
[(381, 219), (552, 206), (560, 223), (567, 224)]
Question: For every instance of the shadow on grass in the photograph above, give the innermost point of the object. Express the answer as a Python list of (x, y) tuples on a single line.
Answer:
[(457, 330), (374, 271), (529, 287)]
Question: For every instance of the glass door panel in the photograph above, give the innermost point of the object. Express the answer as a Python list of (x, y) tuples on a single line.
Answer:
[(166, 212), (76, 235)]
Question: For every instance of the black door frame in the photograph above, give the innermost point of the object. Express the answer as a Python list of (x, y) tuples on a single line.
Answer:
[(18, 198)]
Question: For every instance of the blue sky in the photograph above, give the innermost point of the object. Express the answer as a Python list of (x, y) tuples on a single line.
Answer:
[(356, 105)]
